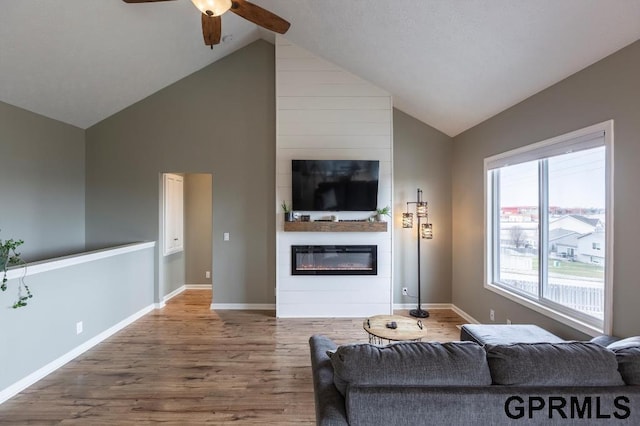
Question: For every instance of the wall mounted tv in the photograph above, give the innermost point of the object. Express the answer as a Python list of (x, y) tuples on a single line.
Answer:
[(334, 185)]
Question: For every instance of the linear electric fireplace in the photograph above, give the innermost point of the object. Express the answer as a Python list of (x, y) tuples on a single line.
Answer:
[(334, 260)]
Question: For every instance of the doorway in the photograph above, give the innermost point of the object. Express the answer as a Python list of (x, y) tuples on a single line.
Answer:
[(191, 267)]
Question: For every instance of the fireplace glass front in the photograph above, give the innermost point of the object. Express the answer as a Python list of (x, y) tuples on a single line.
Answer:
[(334, 260)]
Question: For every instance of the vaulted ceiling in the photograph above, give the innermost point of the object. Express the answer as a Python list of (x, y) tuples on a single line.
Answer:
[(450, 63)]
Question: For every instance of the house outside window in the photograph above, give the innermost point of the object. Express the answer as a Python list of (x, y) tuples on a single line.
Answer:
[(549, 227)]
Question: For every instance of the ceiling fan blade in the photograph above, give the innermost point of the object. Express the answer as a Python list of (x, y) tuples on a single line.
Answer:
[(211, 29), (259, 16), (143, 1)]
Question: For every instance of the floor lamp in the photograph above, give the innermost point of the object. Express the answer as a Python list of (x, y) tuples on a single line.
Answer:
[(425, 230)]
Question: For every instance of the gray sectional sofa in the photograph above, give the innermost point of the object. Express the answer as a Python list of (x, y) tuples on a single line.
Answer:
[(465, 383)]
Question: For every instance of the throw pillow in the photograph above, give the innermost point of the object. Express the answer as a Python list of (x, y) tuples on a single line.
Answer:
[(628, 355), (604, 340)]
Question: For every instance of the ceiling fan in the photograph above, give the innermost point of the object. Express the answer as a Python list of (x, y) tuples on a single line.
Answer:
[(213, 9)]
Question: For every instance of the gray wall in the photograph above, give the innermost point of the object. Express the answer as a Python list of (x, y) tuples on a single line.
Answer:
[(41, 183), (219, 120), (421, 159), (609, 89), (97, 293), (172, 272), (198, 227)]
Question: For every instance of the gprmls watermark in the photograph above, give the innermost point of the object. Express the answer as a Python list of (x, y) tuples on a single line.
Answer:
[(572, 407)]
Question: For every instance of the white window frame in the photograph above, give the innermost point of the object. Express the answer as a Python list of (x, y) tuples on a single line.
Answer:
[(544, 149)]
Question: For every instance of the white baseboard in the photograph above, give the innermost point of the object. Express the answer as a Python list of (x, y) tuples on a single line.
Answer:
[(174, 293), (197, 286), (426, 306), (463, 314), (179, 290), (32, 378), (244, 306), (42, 372)]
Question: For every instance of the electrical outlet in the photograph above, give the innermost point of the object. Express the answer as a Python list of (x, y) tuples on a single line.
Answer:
[(405, 291), (79, 327), (207, 274), (492, 315)]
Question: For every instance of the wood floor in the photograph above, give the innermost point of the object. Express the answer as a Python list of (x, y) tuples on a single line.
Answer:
[(185, 365)]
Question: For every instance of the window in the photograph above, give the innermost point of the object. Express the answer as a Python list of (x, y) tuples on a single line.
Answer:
[(549, 227)]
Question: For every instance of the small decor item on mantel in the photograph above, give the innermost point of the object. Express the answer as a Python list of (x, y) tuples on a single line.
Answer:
[(288, 214), (10, 257), (385, 211)]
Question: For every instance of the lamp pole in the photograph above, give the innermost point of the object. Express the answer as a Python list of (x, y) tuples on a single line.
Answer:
[(419, 312), (425, 230)]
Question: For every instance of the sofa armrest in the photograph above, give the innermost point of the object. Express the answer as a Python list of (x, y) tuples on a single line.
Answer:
[(330, 408)]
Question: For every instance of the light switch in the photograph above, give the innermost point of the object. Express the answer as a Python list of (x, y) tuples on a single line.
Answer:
[(225, 236)]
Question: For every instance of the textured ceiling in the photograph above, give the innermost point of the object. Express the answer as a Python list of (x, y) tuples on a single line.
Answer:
[(449, 63)]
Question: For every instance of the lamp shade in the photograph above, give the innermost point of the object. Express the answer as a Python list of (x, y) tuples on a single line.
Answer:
[(407, 220), (212, 7), (427, 231), (421, 209)]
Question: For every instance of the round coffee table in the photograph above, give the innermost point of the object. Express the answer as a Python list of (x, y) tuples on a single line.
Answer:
[(408, 329)]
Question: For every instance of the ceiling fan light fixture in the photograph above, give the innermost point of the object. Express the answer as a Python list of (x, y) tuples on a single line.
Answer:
[(212, 7)]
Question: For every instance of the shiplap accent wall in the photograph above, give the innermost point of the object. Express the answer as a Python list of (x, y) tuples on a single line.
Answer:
[(325, 112)]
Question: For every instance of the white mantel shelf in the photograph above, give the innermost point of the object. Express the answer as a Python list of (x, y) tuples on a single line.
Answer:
[(335, 226)]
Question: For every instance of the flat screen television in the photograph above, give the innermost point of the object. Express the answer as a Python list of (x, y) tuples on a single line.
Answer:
[(334, 185)]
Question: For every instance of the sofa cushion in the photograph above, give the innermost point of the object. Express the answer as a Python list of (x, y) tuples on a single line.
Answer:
[(628, 355), (411, 363), (553, 364)]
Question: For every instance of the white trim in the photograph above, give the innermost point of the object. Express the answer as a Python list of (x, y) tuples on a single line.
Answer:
[(607, 326), (244, 306), (463, 314), (20, 385), (605, 129), (198, 286), (587, 137), (427, 306), (174, 293), (435, 306), (74, 259), (172, 214), (589, 329), (34, 377), (179, 290)]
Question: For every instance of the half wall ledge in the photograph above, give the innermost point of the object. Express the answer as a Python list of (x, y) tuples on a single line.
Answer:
[(74, 259)]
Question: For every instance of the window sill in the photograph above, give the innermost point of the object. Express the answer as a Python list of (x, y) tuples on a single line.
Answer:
[(586, 328)]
